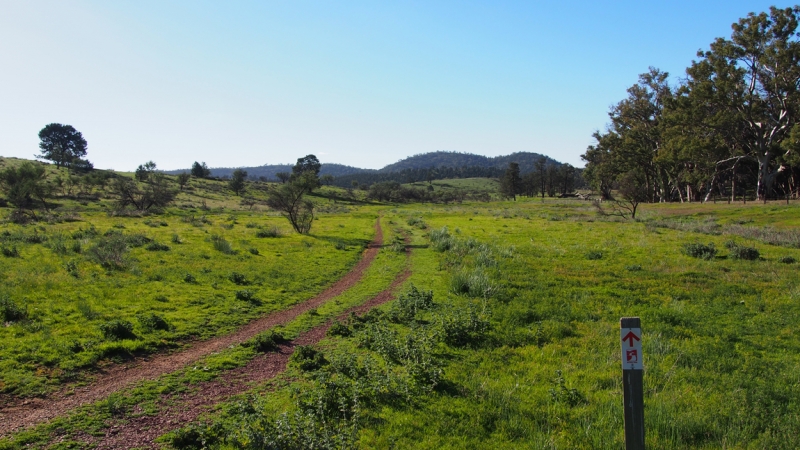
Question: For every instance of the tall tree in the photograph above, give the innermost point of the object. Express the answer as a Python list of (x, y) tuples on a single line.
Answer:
[(237, 181), (306, 172), (200, 170), (511, 183), (61, 144), (753, 81), (289, 200)]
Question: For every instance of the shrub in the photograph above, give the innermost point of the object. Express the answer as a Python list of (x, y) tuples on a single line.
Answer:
[(633, 268), (157, 247), (741, 252), (221, 245), (10, 311), (238, 278), (787, 260), (152, 321), (594, 255), (58, 246), (247, 296), (253, 251), (408, 304), (137, 240), (463, 327), (474, 283), (9, 252), (307, 359), (269, 233), (176, 239), (441, 239), (417, 222), (339, 245), (77, 247), (698, 250), (117, 329), (111, 252), (72, 268), (85, 234), (339, 329), (189, 278), (266, 342)]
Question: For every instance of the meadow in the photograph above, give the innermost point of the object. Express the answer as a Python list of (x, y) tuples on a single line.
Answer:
[(505, 335)]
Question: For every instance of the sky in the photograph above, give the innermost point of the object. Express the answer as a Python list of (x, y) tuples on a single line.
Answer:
[(246, 83)]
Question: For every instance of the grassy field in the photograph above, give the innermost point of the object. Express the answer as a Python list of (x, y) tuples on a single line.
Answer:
[(509, 338)]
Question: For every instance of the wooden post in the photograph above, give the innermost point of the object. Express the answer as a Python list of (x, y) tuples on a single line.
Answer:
[(632, 382)]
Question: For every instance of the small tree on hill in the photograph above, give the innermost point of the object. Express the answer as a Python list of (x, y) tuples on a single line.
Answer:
[(283, 177), (144, 171), (237, 181), (183, 179), (23, 185), (156, 193), (62, 144), (289, 200), (200, 170), (306, 172)]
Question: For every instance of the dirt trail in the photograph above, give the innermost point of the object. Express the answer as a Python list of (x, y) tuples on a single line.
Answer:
[(180, 410), (16, 417)]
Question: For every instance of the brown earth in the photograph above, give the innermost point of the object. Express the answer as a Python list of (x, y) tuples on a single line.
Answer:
[(18, 414), (180, 410)]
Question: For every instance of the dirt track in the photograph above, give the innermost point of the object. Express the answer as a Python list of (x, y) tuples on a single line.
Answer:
[(16, 417)]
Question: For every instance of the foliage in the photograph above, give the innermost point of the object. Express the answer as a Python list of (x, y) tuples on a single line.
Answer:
[(10, 311), (742, 252), (699, 250), (306, 358), (23, 184), (62, 144), (237, 182), (111, 252), (266, 342), (200, 170), (155, 193), (152, 321), (117, 329), (288, 199)]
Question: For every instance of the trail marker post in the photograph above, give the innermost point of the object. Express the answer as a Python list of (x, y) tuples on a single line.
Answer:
[(631, 336)]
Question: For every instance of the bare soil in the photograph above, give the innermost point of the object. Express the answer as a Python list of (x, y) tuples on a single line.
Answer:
[(18, 414)]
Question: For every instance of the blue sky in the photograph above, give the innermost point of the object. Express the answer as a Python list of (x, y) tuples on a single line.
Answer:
[(240, 83)]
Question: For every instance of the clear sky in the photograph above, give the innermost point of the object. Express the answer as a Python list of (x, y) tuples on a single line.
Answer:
[(238, 83)]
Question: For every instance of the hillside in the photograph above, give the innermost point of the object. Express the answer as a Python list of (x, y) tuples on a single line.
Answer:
[(525, 160)]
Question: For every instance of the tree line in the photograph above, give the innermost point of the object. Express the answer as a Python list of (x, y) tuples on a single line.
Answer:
[(729, 128)]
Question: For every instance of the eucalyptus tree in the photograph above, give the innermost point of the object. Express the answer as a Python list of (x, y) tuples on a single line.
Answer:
[(750, 84)]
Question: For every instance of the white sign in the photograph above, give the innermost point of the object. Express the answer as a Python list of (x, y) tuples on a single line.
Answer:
[(631, 348)]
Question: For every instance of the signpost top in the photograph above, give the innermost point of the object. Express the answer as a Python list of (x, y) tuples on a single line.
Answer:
[(630, 322)]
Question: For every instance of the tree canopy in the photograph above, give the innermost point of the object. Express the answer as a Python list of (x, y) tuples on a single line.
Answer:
[(62, 144), (731, 126)]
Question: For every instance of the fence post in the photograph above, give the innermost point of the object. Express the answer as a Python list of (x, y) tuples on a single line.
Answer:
[(632, 382)]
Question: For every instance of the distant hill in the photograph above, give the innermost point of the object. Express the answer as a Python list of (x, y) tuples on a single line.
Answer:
[(525, 160), (413, 168)]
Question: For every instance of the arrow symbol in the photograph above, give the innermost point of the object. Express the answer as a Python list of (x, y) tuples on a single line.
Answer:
[(630, 337)]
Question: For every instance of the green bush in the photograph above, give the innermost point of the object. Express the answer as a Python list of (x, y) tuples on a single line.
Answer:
[(307, 359), (238, 278), (594, 255), (339, 329), (111, 252), (117, 329), (157, 247), (189, 278), (269, 233), (221, 245), (266, 342), (474, 283), (9, 252), (462, 327), (408, 304), (253, 251), (701, 251), (742, 252), (10, 311), (152, 321), (787, 259), (247, 296)]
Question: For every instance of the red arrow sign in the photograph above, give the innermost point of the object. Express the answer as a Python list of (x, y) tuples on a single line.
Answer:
[(630, 337)]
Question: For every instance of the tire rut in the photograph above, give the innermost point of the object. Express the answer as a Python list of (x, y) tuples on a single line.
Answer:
[(16, 417)]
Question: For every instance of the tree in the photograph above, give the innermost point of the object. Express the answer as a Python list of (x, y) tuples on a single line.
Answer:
[(326, 179), (753, 82), (144, 171), (289, 200), (633, 190), (283, 177), (61, 144), (24, 184), (511, 183), (237, 181), (183, 179), (306, 171), (200, 170), (541, 166), (154, 194)]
